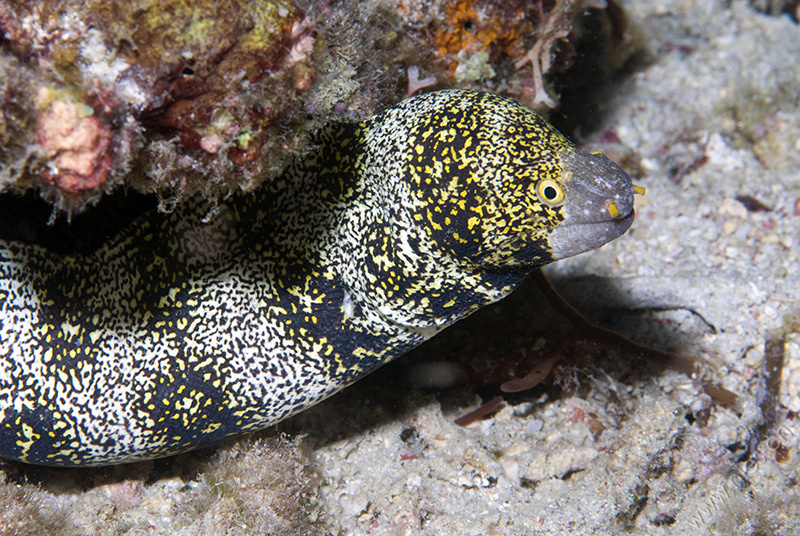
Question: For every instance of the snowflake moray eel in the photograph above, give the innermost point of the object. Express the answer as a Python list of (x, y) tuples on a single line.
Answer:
[(178, 334)]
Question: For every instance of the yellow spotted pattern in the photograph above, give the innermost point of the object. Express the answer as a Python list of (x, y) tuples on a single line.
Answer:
[(181, 333)]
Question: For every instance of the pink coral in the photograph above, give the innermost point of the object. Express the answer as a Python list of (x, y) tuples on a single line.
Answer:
[(415, 83), (211, 144), (77, 145)]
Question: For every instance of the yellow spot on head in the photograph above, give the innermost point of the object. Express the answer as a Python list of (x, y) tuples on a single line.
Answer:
[(612, 209)]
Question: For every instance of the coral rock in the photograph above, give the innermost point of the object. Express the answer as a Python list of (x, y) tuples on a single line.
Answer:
[(77, 146)]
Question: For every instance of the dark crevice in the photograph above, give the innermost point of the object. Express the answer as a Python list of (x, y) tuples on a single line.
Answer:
[(587, 89), (25, 218)]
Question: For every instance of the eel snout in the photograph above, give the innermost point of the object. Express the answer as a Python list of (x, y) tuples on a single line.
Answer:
[(598, 206)]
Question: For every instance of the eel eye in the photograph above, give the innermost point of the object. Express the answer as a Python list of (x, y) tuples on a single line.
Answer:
[(550, 192)]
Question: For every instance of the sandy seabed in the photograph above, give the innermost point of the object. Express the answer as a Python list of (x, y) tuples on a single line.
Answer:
[(710, 268)]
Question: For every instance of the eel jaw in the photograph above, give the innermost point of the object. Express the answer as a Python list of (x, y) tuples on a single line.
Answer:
[(598, 207)]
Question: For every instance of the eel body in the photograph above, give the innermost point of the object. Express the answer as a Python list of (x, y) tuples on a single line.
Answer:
[(177, 334)]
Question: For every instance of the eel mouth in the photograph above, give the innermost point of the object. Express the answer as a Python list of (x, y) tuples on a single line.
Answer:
[(571, 240), (598, 206)]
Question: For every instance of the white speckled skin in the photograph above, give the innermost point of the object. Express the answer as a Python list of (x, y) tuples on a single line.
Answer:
[(178, 334)]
